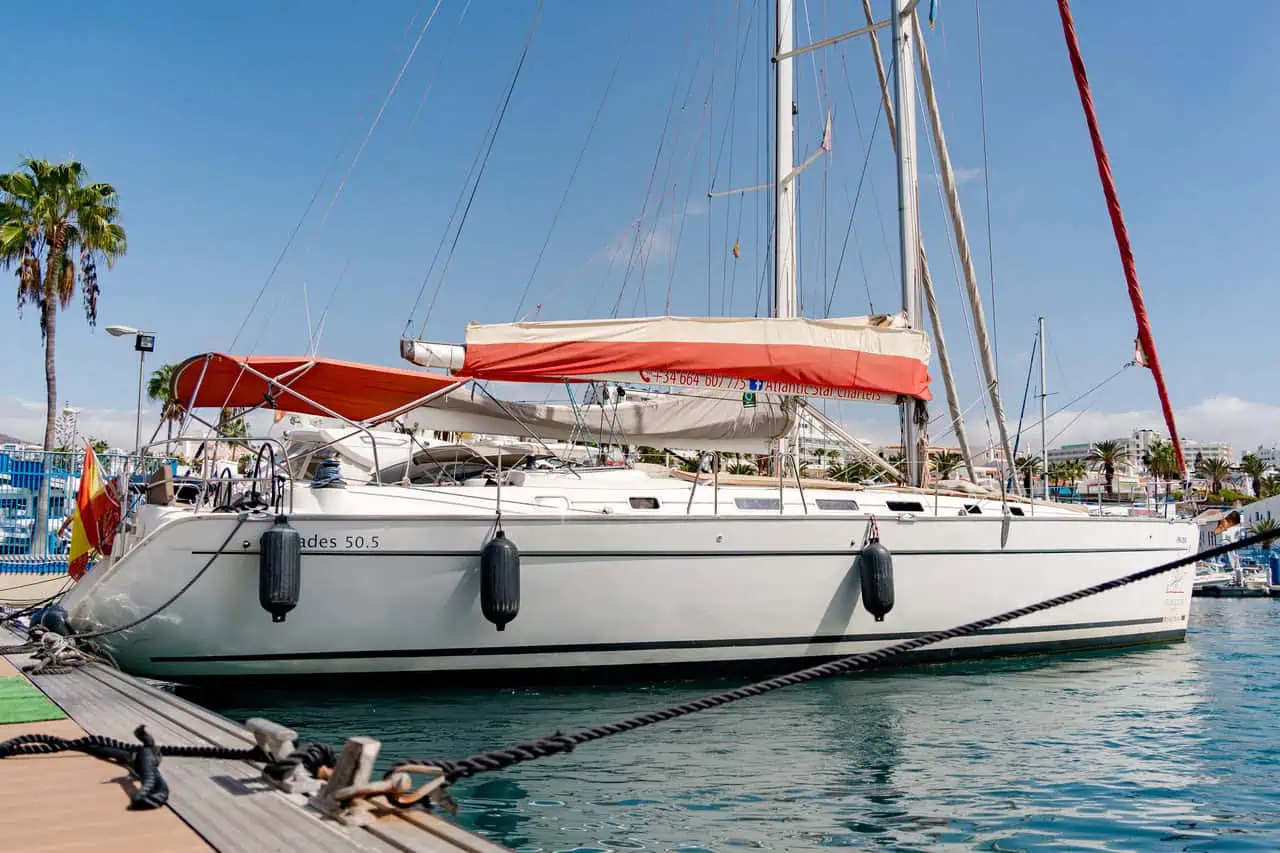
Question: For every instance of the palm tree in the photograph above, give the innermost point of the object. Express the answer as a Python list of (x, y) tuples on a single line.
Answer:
[(854, 471), (50, 221), (159, 391), (1214, 470), (1029, 466), (1253, 466), (1267, 525), (1270, 486), (231, 425), (1107, 455), (46, 209), (1161, 463), (945, 463)]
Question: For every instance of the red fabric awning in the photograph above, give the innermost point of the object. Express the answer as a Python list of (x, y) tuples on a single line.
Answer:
[(300, 384)]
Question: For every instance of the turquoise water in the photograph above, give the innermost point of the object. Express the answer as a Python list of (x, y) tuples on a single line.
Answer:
[(1172, 748)]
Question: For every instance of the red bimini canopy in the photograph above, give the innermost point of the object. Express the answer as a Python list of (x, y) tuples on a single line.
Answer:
[(875, 356), (301, 384)]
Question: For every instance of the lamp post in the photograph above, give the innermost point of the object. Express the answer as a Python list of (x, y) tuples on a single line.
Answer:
[(143, 343)]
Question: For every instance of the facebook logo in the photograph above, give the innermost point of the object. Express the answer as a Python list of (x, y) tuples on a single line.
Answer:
[(755, 384)]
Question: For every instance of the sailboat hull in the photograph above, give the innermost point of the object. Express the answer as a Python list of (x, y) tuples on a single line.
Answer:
[(606, 596)]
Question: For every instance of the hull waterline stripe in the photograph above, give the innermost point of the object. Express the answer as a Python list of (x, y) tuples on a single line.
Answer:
[(625, 672), (658, 645)]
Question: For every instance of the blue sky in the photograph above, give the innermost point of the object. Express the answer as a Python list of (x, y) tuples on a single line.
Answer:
[(218, 122)]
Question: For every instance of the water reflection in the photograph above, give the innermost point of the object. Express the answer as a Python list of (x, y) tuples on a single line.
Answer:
[(1169, 748)]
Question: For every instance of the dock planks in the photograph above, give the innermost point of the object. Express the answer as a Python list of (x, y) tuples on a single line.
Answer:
[(69, 801)]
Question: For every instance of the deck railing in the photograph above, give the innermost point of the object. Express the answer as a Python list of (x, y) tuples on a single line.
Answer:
[(22, 474)]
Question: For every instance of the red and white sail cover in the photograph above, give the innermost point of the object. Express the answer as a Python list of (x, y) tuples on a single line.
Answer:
[(874, 358)]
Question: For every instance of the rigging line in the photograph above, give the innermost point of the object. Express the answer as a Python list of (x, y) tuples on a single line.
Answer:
[(986, 181), (448, 227), (297, 228), (475, 187), (760, 208), (711, 139), (435, 72), (314, 346), (946, 416), (653, 174), (377, 119), (740, 52), (857, 241), (582, 153), (1063, 408), (675, 218), (733, 92), (684, 215), (853, 209), (874, 43)]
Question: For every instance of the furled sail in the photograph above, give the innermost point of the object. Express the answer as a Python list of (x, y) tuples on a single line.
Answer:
[(873, 359), (707, 420)]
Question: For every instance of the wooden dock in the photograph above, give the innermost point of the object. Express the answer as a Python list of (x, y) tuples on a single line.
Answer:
[(72, 802)]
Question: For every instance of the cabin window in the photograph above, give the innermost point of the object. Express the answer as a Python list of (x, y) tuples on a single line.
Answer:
[(841, 505), (643, 503), (973, 509), (757, 503), (1016, 510), (905, 506)]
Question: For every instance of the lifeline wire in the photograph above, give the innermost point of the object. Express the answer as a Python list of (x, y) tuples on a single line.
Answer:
[(560, 743)]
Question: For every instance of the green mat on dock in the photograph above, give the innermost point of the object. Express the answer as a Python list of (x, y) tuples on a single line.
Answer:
[(21, 702)]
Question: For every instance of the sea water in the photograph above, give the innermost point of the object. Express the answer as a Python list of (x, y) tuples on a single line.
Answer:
[(1168, 748)]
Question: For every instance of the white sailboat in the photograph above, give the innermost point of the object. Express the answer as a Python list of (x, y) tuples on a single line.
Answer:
[(619, 570)]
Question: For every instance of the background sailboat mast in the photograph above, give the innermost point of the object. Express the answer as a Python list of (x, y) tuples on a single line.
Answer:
[(904, 79)]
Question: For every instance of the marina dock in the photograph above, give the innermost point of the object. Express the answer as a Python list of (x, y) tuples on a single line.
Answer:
[(70, 801)]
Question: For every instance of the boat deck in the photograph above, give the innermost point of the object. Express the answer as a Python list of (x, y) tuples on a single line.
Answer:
[(71, 802)]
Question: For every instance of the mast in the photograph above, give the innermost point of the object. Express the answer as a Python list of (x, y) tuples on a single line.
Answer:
[(904, 79), (1146, 339), (784, 185), (1044, 416)]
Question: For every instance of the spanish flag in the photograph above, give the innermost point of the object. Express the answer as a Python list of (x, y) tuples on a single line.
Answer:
[(97, 513)]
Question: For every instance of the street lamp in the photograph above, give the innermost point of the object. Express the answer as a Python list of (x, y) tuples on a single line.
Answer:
[(143, 343)]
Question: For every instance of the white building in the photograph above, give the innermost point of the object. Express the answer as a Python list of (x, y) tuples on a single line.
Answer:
[(1135, 447), (1208, 450), (1270, 456)]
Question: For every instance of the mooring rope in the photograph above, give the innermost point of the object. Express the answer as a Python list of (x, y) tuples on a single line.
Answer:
[(143, 758), (560, 742)]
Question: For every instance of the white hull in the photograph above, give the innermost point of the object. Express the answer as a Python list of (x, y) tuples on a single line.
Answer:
[(384, 593)]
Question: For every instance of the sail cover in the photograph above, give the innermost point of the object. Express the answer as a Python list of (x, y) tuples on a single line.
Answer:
[(872, 358), (706, 420)]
